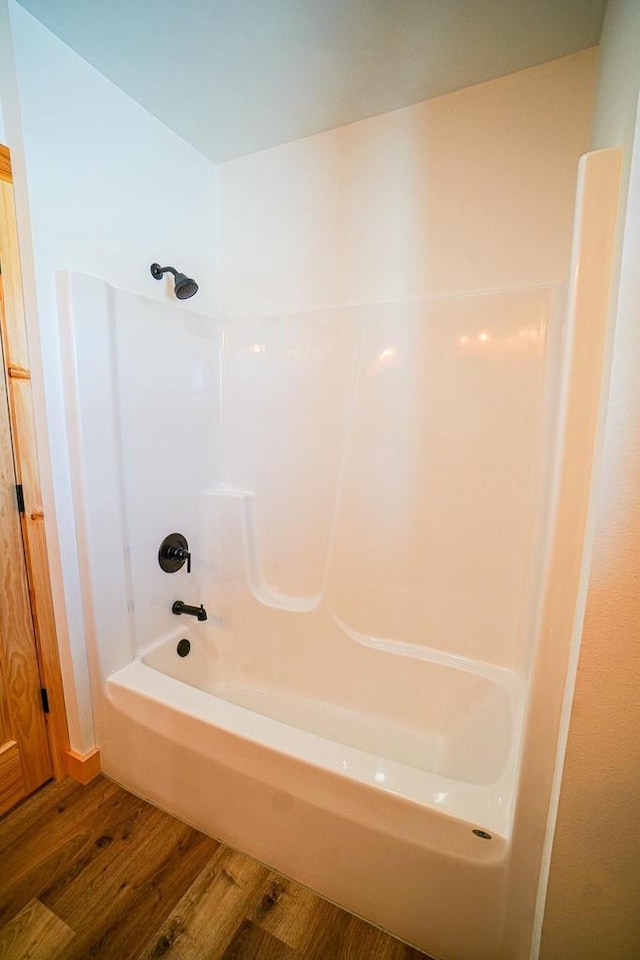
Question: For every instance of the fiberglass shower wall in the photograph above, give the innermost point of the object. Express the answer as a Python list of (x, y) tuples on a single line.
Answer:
[(366, 476), (391, 305), (395, 455), (354, 483), (163, 378)]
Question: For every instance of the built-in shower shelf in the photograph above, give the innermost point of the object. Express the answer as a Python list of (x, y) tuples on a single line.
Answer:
[(234, 541)]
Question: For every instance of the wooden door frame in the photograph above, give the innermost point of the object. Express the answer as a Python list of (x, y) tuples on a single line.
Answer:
[(21, 415)]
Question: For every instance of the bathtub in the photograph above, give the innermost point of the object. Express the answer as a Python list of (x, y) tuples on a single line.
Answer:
[(344, 802)]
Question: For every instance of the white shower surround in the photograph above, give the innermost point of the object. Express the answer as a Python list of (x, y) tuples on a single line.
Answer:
[(326, 724), (212, 745), (245, 749)]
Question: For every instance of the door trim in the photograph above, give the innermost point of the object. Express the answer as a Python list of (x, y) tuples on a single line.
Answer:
[(14, 341)]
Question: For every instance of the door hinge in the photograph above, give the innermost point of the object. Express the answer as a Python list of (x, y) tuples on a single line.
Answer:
[(45, 699), (20, 497)]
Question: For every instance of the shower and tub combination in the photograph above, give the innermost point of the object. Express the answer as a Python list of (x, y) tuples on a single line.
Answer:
[(321, 554)]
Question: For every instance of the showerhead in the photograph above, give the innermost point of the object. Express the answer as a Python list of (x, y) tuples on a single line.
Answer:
[(184, 286)]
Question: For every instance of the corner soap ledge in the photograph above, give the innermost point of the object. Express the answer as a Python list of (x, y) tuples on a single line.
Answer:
[(231, 524)]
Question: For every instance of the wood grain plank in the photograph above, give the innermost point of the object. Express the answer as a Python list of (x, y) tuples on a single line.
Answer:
[(14, 332), (108, 843), (35, 934), (251, 942), (58, 844), (6, 726), (152, 898), (324, 933), (24, 442), (39, 807), (287, 911), (26, 453), (312, 926), (137, 872), (45, 628), (361, 941), (14, 340), (5, 164), (204, 922), (11, 780), (19, 672)]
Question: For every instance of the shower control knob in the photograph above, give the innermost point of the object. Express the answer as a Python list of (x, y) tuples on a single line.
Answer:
[(174, 553)]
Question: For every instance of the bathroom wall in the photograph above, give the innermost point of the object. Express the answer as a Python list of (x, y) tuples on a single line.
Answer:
[(111, 190), (594, 882), (7, 67), (468, 192)]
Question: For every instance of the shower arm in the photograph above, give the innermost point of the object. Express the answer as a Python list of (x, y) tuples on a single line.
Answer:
[(157, 271)]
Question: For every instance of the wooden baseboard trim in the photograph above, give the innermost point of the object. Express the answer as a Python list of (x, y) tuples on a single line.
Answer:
[(83, 767)]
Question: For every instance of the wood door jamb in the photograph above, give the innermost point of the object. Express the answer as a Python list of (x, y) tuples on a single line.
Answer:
[(14, 340)]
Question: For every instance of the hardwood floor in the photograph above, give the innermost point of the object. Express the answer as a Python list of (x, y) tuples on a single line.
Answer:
[(94, 872)]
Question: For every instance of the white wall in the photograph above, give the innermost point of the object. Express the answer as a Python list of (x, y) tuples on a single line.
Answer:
[(7, 69), (594, 882), (111, 190), (467, 192)]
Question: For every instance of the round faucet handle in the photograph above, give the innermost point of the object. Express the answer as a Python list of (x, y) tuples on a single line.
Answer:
[(180, 554), (173, 553)]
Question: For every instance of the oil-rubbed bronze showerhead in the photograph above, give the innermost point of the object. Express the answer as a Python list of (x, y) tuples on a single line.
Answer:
[(184, 286)]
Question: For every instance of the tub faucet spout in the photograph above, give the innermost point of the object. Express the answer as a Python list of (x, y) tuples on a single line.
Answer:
[(180, 607)]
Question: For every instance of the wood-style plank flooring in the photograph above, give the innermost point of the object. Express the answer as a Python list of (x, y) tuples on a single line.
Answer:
[(94, 872)]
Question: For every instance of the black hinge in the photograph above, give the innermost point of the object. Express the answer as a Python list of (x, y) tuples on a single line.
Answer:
[(45, 699), (20, 497)]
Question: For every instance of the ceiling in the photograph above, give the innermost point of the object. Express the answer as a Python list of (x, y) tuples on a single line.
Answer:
[(236, 76)]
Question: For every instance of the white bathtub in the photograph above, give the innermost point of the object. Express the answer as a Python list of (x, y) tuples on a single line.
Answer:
[(335, 798), (459, 758)]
